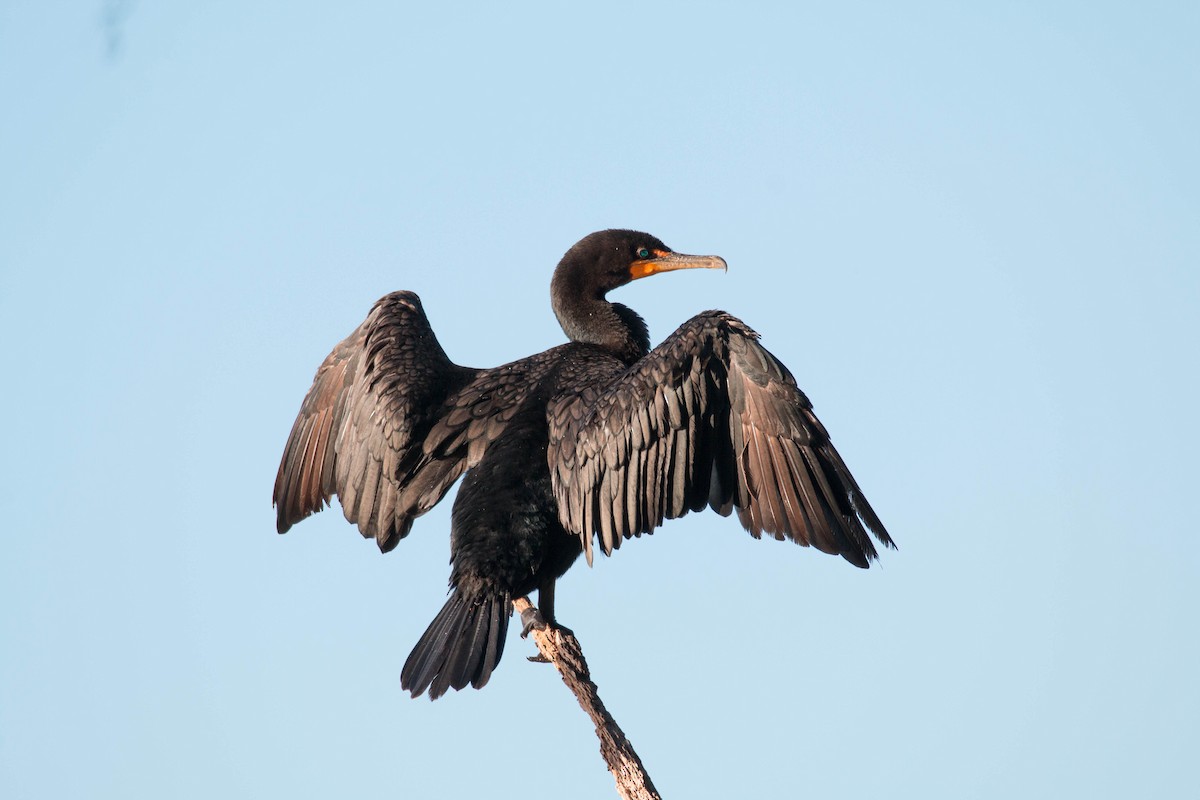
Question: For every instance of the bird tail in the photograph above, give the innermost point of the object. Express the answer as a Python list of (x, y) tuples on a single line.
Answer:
[(462, 645)]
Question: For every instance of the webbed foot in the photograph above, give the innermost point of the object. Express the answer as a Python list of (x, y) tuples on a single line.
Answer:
[(531, 619)]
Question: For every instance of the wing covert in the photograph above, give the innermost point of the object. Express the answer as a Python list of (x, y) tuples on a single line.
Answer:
[(361, 427), (709, 417)]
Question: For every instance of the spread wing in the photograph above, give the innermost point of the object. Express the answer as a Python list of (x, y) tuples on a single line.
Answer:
[(362, 426), (709, 417)]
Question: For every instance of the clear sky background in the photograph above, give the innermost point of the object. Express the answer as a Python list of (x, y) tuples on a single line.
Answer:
[(971, 230)]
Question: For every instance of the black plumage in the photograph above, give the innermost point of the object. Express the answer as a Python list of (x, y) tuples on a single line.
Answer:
[(597, 440)]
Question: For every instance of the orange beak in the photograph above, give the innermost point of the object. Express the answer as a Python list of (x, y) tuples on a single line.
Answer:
[(666, 261)]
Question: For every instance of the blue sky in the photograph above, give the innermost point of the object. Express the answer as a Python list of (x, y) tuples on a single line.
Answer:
[(971, 232)]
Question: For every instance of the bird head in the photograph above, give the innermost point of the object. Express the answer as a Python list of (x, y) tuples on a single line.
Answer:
[(599, 263), (606, 260)]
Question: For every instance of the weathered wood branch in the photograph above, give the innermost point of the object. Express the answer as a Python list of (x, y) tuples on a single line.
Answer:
[(560, 647)]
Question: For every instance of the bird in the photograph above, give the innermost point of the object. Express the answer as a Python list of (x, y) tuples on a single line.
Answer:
[(581, 447)]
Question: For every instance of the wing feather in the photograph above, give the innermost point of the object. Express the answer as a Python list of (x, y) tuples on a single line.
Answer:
[(362, 426), (709, 417)]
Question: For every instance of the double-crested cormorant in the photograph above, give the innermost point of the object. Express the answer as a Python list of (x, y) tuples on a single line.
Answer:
[(600, 439)]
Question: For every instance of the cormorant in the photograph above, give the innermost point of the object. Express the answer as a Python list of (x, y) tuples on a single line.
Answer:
[(596, 440)]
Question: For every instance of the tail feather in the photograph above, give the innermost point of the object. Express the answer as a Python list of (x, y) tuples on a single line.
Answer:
[(431, 644), (462, 645)]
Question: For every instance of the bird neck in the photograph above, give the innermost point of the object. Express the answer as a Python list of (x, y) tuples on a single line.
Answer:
[(594, 320)]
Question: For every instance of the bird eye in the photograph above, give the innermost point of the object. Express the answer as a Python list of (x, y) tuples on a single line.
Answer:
[(643, 252)]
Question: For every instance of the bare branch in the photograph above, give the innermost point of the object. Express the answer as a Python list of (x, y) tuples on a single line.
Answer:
[(560, 647)]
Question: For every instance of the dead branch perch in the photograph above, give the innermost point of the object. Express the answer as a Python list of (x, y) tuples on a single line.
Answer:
[(561, 648)]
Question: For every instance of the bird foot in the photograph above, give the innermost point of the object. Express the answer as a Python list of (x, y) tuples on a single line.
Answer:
[(531, 620)]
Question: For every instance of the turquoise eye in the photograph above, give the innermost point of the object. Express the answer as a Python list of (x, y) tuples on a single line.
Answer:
[(643, 252)]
